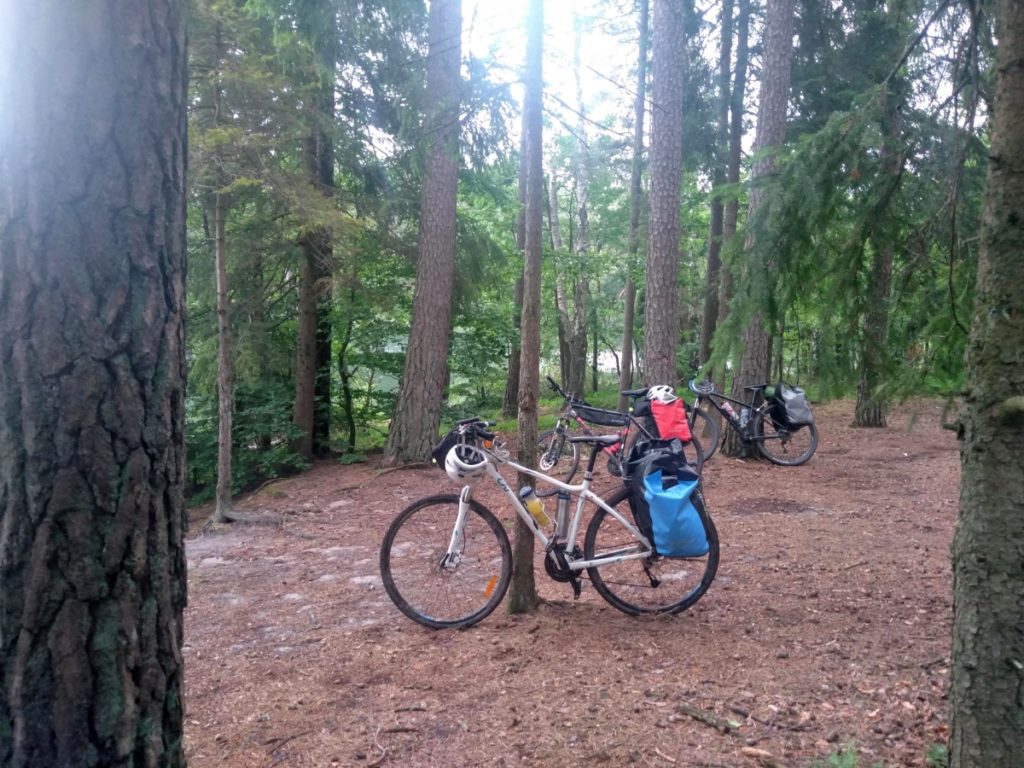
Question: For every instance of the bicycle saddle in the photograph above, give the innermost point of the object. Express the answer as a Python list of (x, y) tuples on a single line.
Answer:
[(634, 392)]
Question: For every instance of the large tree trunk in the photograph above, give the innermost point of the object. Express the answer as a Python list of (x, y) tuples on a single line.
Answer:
[(523, 592), (986, 699), (712, 286), (92, 366), (771, 132), (418, 410), (635, 202), (661, 318)]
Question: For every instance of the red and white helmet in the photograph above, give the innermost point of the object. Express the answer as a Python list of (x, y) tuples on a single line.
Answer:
[(662, 393)]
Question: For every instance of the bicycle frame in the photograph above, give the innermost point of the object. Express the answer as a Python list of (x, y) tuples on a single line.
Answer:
[(742, 429), (570, 412), (641, 550)]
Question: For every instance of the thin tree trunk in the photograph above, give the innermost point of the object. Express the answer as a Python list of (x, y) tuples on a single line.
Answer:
[(523, 593), (561, 293), (987, 677), (306, 357), (736, 111), (873, 350), (635, 202), (594, 350), (714, 267), (418, 408), (92, 379), (225, 366), (510, 402), (771, 132), (661, 318), (581, 286)]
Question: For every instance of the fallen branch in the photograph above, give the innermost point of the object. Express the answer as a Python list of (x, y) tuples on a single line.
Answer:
[(707, 718), (766, 759), (401, 467), (282, 741)]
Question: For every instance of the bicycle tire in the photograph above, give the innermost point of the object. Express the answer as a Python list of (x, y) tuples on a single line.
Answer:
[(627, 585), (697, 463), (429, 592), (558, 460), (707, 430), (787, 448)]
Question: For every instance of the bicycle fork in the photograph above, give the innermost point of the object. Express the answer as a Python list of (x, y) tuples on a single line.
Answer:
[(453, 555)]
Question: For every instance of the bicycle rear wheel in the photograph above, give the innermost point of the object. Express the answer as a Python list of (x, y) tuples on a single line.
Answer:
[(704, 428), (557, 457), (781, 445), (428, 586), (651, 585)]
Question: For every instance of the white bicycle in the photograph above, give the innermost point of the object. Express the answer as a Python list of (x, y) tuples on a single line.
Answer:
[(446, 560)]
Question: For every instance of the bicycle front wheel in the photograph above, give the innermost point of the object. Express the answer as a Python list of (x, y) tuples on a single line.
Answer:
[(705, 428), (434, 588), (557, 457), (780, 445), (650, 585)]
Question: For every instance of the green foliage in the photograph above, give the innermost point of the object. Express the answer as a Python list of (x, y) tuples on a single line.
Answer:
[(937, 756), (261, 439), (845, 758)]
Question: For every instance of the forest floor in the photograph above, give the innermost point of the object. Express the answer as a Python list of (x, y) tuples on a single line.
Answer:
[(828, 625)]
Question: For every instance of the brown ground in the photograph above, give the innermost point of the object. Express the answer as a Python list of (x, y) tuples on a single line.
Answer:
[(828, 624)]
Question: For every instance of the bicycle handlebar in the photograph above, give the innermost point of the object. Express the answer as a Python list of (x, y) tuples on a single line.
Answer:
[(474, 428), (705, 387)]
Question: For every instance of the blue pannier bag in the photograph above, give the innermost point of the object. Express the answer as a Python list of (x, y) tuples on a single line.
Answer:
[(676, 524)]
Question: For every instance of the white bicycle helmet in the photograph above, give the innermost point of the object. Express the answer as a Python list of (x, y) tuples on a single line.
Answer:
[(662, 393), (464, 462)]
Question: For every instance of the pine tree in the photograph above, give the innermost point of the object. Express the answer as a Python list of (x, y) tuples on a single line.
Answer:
[(987, 676), (92, 385)]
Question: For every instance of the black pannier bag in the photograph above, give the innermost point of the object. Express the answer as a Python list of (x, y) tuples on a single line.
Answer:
[(790, 406), (600, 416), (657, 474)]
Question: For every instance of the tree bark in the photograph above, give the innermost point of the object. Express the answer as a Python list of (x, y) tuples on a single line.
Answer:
[(523, 593), (771, 132), (418, 410), (987, 679), (661, 318), (92, 366), (635, 203)]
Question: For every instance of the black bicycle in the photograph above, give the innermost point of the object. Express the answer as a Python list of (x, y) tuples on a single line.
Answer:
[(758, 422), (558, 456)]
